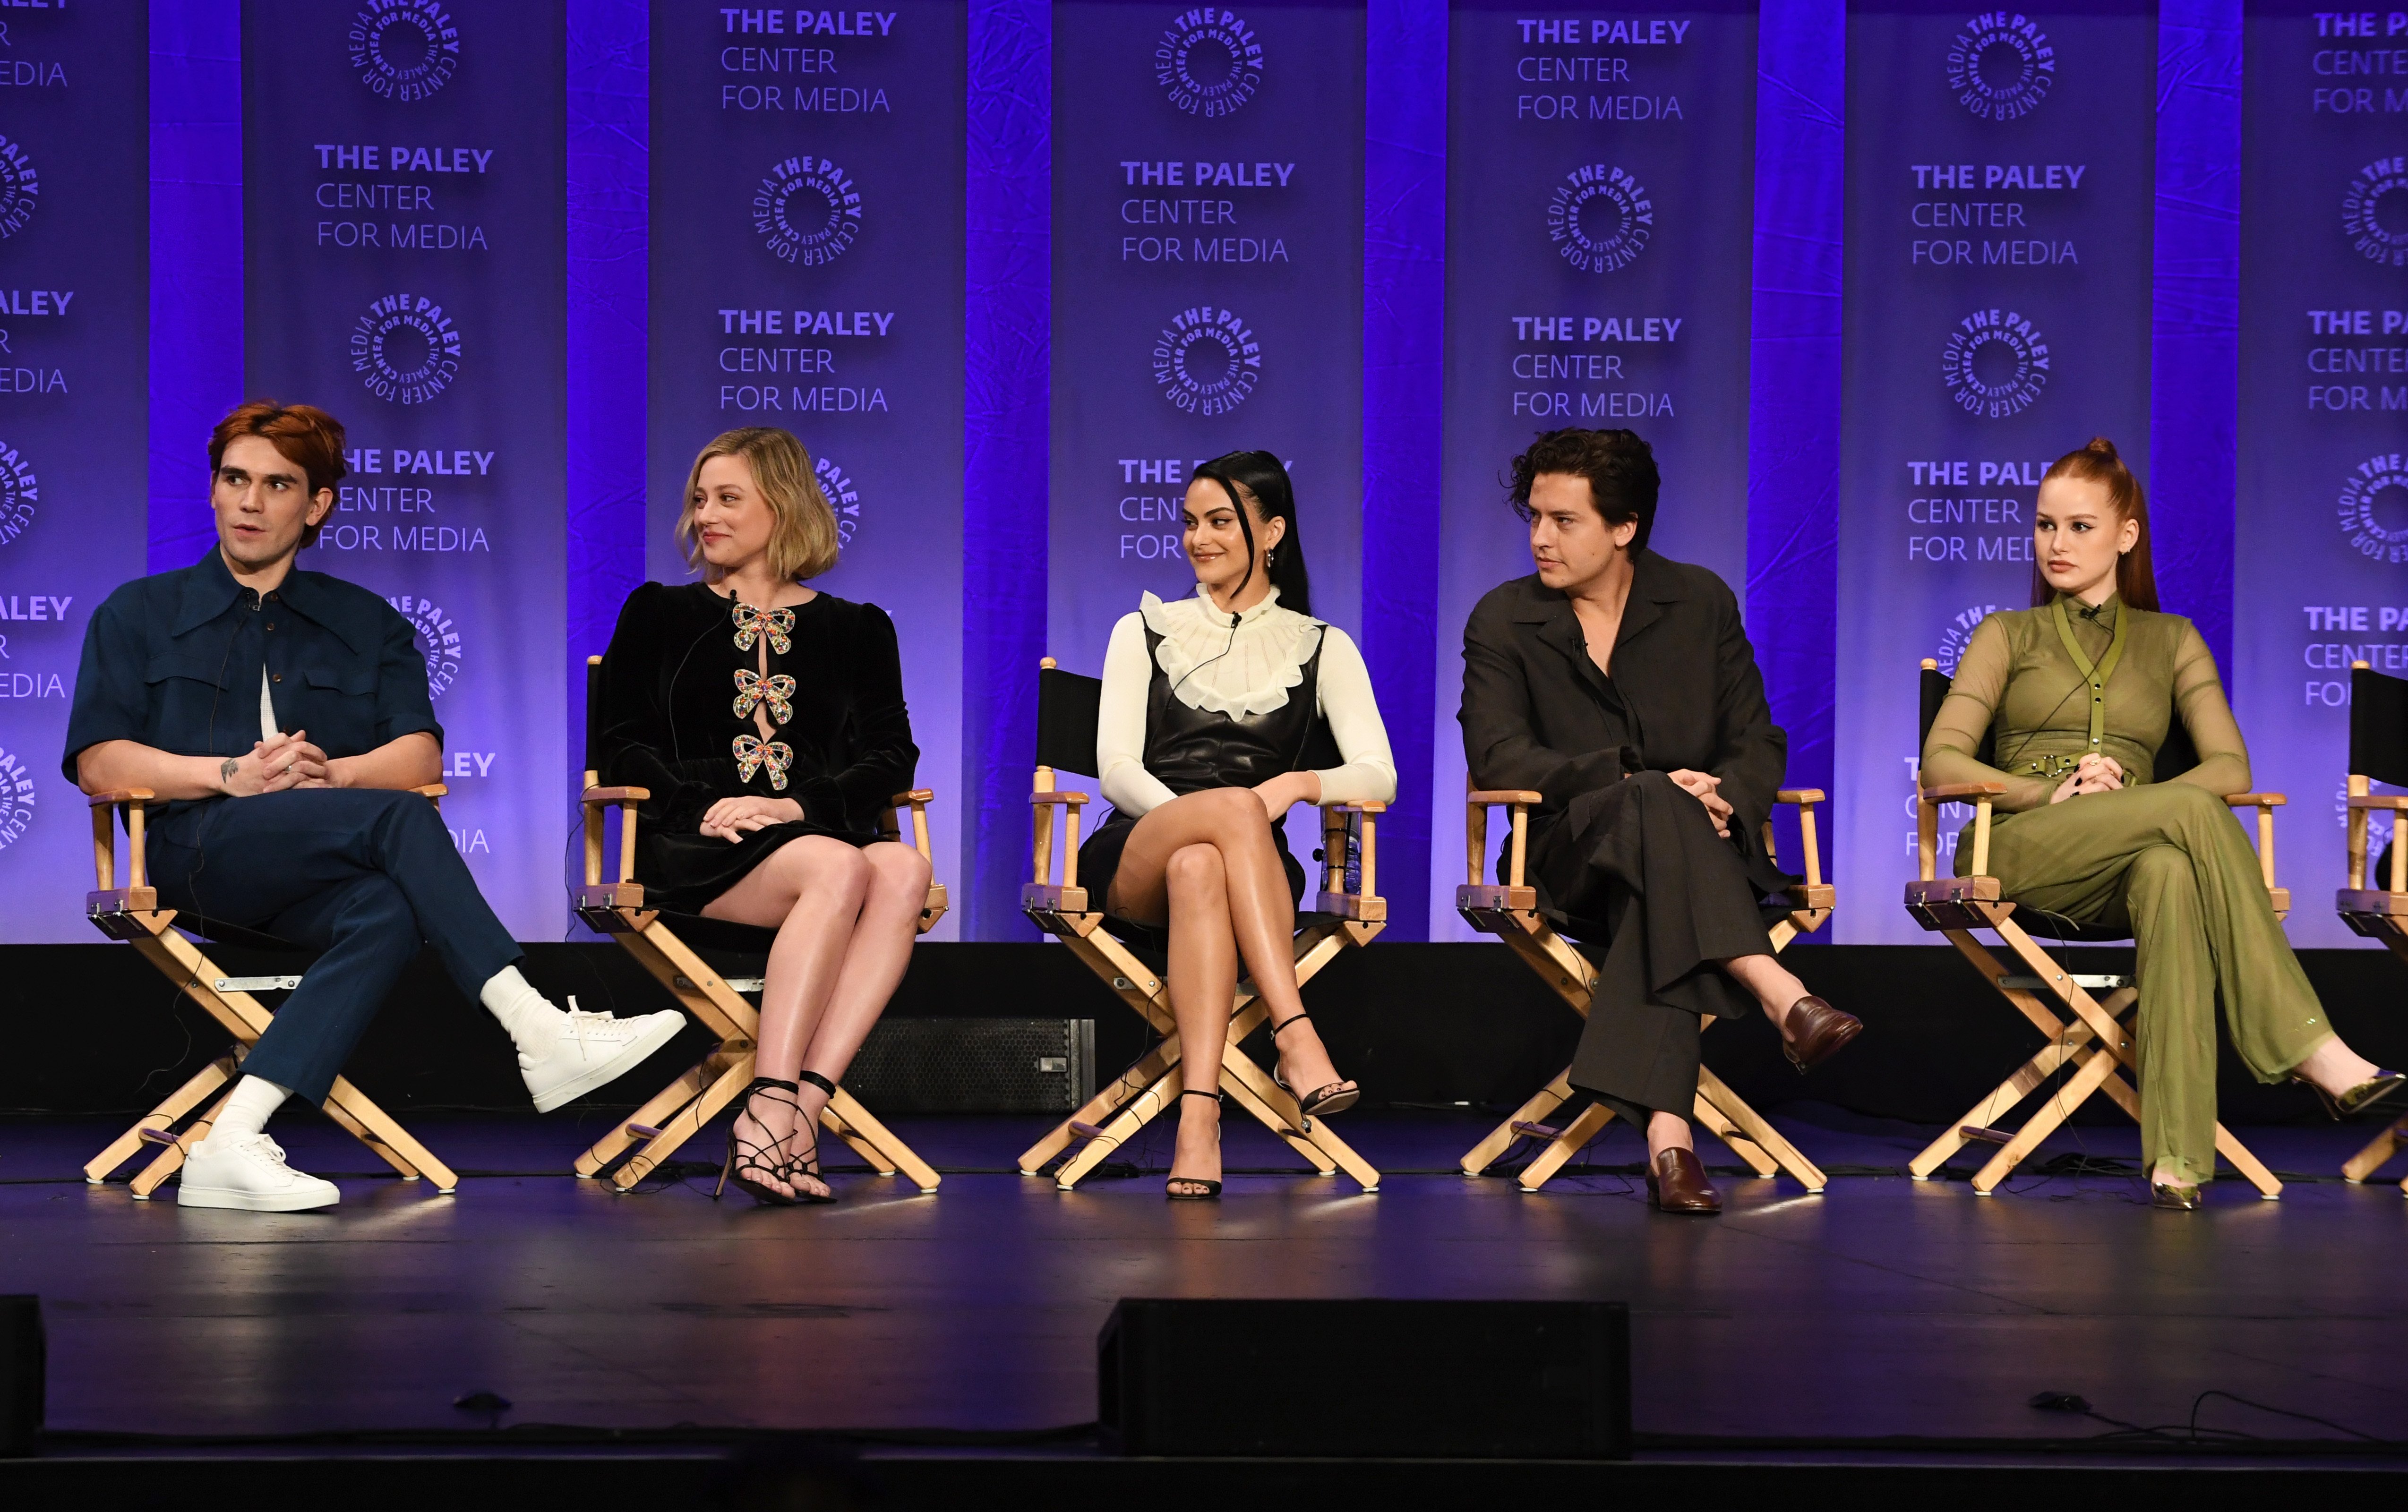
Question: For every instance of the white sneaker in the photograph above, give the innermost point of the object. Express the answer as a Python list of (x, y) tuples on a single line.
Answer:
[(250, 1175), (594, 1049)]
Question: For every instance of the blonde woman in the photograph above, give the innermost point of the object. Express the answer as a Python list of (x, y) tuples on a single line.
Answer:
[(767, 720)]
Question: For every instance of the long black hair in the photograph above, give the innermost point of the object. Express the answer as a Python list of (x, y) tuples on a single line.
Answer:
[(1259, 473)]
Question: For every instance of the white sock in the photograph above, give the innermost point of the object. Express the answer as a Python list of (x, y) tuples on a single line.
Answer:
[(246, 1112), (534, 1024)]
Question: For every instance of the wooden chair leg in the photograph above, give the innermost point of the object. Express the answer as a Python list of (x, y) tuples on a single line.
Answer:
[(2098, 1066), (1282, 1123), (1134, 1115), (659, 1108), (684, 1124), (1554, 1095), (2378, 1153), (371, 1125), (1775, 1152), (1566, 1145), (162, 1117), (878, 1142), (2002, 1100), (170, 1157), (1100, 1107)]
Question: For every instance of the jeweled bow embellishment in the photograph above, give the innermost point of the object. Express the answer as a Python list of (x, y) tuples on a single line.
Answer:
[(751, 621), (777, 692), (751, 755)]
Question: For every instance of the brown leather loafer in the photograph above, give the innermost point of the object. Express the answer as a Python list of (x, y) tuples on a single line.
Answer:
[(1677, 1184), (1816, 1032)]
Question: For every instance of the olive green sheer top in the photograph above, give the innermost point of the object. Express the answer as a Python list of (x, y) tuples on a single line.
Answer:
[(2017, 675)]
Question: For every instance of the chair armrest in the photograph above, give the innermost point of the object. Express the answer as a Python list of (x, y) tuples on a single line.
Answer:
[(1363, 806), (2395, 802), (122, 795), (1073, 799), (1801, 796), (1342, 843), (917, 795), (1504, 795), (431, 789), (615, 796), (1958, 792), (1805, 799), (104, 843)]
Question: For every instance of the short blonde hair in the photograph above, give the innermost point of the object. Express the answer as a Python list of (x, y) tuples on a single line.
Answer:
[(802, 536)]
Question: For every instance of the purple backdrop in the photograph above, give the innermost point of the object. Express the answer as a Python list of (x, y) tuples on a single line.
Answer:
[(1208, 264), (403, 165), (2322, 530), (74, 296), (1600, 172), (2000, 168), (806, 237)]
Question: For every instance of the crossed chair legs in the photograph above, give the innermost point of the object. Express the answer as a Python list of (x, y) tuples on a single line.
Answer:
[(1151, 1086)]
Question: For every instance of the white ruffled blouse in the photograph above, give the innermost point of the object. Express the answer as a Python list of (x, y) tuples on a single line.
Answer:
[(1246, 672)]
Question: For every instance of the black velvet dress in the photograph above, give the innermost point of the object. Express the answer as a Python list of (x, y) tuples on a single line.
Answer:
[(680, 686)]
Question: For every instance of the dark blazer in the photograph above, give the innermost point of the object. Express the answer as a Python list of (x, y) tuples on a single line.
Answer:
[(1533, 717)]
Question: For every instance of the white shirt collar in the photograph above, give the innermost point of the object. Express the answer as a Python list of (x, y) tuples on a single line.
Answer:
[(1239, 670)]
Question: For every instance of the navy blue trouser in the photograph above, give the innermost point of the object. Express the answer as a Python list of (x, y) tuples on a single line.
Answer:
[(366, 876)]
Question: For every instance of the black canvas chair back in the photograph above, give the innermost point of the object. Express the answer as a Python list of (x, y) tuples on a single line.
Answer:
[(2378, 727), (1068, 710), (593, 717)]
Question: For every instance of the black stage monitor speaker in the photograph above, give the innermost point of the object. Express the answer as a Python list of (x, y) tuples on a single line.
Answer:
[(1403, 1380), (23, 1365)]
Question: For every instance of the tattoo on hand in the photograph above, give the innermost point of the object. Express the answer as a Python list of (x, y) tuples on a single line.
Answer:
[(226, 770)]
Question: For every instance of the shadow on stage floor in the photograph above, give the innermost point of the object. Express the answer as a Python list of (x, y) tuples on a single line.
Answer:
[(1792, 1328)]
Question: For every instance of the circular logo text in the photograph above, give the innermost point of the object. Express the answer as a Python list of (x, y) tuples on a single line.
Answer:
[(2374, 509), (403, 50), (2001, 66), (16, 794), (20, 493), (1995, 364), (807, 210), (437, 635), (1209, 62), (1206, 361), (1599, 217), (405, 348), (2374, 211), (21, 188)]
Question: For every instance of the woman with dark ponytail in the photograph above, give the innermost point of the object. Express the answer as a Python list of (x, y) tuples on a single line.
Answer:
[(1211, 706), (2084, 689)]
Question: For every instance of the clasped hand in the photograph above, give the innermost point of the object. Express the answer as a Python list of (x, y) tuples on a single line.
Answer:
[(276, 765), (2094, 773), (732, 819), (1706, 788)]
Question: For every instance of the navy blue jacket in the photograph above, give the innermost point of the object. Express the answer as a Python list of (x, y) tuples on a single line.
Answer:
[(173, 660)]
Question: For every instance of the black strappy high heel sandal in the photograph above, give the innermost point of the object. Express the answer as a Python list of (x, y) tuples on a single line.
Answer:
[(1333, 1099), (808, 1165), (1211, 1192), (747, 1159)]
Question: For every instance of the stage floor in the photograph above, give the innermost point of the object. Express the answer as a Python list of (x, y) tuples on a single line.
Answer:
[(1886, 1308)]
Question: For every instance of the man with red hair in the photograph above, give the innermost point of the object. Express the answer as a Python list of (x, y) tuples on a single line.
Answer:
[(285, 715)]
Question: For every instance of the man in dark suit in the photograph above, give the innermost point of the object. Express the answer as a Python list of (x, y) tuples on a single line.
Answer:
[(1622, 687)]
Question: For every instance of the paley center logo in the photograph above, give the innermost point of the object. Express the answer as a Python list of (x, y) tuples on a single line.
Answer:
[(1959, 634), (20, 492), (807, 210), (1995, 364), (437, 635), (21, 188), (842, 497), (1599, 217), (16, 794), (405, 348), (403, 50), (2379, 194), (1209, 62), (2377, 492), (2001, 66), (1206, 360)]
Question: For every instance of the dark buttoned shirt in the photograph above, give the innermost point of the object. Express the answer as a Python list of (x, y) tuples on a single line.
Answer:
[(174, 662)]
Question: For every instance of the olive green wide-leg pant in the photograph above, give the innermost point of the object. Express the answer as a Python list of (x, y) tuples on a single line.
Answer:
[(2168, 862)]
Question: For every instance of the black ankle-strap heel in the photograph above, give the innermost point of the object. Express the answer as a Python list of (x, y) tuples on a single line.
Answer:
[(746, 1159), (1212, 1188), (1329, 1101), (808, 1163)]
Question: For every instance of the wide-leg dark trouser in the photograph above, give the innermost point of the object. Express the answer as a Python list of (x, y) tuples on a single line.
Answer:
[(1637, 867), (368, 876)]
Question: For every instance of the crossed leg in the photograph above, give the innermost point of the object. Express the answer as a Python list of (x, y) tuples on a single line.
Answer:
[(1206, 865), (846, 918)]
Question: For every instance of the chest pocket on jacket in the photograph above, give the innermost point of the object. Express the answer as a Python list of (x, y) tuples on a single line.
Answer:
[(338, 709)]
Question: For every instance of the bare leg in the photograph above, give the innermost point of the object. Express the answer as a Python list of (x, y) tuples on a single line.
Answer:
[(810, 890), (2336, 1067), (1203, 983), (1261, 911), (874, 963)]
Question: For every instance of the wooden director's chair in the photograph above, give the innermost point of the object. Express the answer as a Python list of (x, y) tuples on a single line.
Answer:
[(1511, 912), (2378, 753), (1067, 719), (666, 945), (132, 913), (2096, 1042)]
